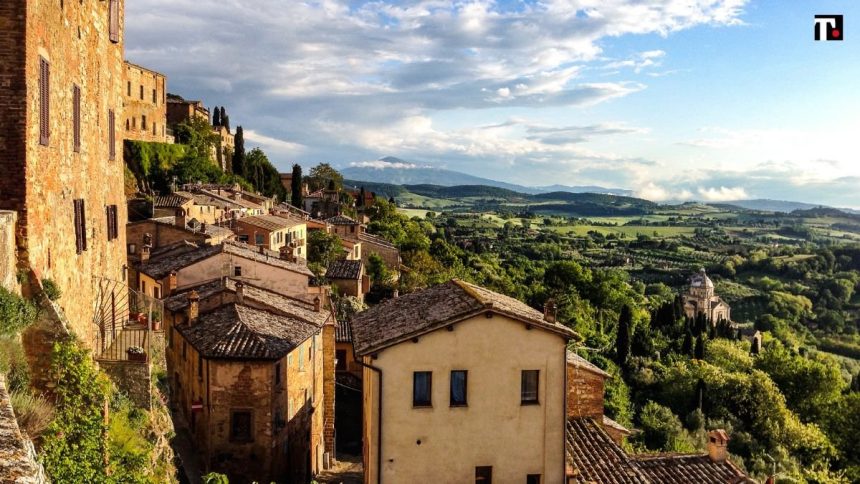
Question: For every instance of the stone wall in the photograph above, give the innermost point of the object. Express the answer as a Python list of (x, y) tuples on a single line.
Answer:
[(584, 393), (145, 97), (8, 254), (41, 182), (18, 462), (132, 378)]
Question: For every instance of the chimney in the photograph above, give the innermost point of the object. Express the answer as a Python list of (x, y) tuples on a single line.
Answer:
[(144, 253), (286, 253), (718, 441), (193, 307), (171, 283), (240, 292), (317, 304), (549, 311)]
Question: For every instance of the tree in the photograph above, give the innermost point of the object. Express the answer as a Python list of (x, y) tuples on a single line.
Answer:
[(197, 135), (323, 248), (662, 429), (687, 347), (296, 186), (260, 172), (239, 152), (324, 176), (622, 339), (216, 117), (378, 272), (225, 120), (700, 347), (361, 195)]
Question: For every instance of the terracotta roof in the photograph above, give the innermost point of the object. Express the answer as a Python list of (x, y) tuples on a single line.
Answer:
[(344, 269), (680, 469), (608, 422), (423, 311), (316, 194), (375, 239), (269, 222), (241, 202), (175, 248), (160, 267), (594, 456), (174, 200), (240, 332), (343, 333), (342, 220), (210, 229), (580, 362)]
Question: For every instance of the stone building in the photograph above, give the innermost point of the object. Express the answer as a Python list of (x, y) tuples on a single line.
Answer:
[(585, 390), (700, 299), (145, 105), (61, 108), (195, 206), (179, 110), (225, 148), (249, 371), (348, 277), (462, 384), (283, 234)]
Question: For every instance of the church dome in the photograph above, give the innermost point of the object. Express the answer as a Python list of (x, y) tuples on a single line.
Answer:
[(701, 280)]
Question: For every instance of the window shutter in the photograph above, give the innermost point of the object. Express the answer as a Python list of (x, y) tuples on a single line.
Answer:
[(44, 100), (76, 117), (108, 216), (112, 134), (78, 244), (114, 21)]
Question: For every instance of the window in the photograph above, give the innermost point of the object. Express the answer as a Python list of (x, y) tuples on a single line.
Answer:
[(277, 373), (112, 135), (156, 292), (76, 119), (301, 358), (141, 92), (132, 248), (240, 426), (113, 20), (44, 101), (243, 238), (340, 357), (422, 383), (529, 387), (258, 239), (80, 226), (237, 271), (533, 479), (155, 96), (143, 123), (129, 89), (484, 475), (458, 388), (112, 226), (154, 131)]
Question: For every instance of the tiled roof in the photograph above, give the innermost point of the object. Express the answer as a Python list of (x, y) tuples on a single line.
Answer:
[(580, 362), (211, 229), (608, 422), (423, 311), (175, 248), (342, 220), (174, 200), (241, 202), (681, 469), (296, 307), (343, 333), (374, 239), (160, 267), (269, 222), (240, 332), (594, 456), (344, 269)]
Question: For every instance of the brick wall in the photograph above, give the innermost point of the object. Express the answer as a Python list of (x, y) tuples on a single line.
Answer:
[(584, 393), (13, 113), (151, 104)]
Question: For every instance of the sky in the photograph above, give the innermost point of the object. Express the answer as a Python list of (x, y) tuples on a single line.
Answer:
[(708, 100)]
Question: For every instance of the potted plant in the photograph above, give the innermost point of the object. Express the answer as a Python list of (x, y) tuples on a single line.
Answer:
[(156, 321), (135, 353)]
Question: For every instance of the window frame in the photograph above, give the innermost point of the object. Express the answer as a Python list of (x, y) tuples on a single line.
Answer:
[(524, 400), (465, 401), (44, 102), (76, 118), (428, 403), (250, 435)]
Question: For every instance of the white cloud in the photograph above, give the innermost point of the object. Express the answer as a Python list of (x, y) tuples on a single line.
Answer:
[(383, 164), (722, 194), (278, 145)]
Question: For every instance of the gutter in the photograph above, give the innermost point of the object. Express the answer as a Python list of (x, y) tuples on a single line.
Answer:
[(378, 416)]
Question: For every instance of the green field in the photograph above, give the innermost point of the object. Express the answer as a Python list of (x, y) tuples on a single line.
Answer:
[(627, 230)]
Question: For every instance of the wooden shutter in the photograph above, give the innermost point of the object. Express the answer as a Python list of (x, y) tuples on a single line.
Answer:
[(114, 21), (112, 226), (112, 134), (44, 101), (76, 117), (78, 245), (83, 225)]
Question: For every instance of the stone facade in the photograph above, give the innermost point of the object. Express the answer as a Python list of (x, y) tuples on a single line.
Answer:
[(225, 148), (47, 168), (179, 110), (145, 97), (133, 378), (701, 299), (18, 462), (584, 389), (8, 254)]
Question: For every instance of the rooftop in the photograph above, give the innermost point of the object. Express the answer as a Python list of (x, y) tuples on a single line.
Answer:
[(344, 269), (575, 360), (342, 220), (437, 306), (270, 222), (701, 279), (234, 331), (375, 239), (211, 230), (174, 200)]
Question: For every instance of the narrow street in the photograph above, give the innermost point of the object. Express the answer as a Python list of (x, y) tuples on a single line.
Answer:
[(348, 470)]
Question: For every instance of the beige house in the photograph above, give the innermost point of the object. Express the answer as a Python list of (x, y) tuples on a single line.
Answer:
[(700, 299), (462, 384), (348, 277), (196, 206), (248, 370), (274, 233)]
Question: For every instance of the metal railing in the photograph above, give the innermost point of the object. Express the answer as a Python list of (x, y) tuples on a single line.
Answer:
[(124, 322)]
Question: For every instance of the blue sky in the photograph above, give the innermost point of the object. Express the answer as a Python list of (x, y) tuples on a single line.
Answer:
[(674, 99)]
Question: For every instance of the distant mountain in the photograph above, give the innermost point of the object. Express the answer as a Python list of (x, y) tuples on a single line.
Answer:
[(766, 205), (394, 171)]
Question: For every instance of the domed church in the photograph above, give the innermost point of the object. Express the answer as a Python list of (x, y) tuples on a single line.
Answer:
[(700, 298)]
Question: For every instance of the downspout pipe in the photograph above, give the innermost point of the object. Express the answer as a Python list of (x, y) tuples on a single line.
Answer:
[(378, 416)]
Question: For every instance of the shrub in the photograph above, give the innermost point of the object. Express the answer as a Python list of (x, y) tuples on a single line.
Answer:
[(34, 413), (16, 313), (13, 364), (51, 289)]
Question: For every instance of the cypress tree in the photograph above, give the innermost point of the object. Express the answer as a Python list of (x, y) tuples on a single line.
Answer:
[(622, 339), (700, 347), (296, 186), (687, 347), (361, 197), (700, 394), (216, 117), (225, 121), (239, 152)]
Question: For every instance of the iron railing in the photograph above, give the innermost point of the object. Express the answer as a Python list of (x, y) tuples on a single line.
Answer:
[(124, 322)]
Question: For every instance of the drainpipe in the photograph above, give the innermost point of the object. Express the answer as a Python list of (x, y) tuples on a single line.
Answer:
[(378, 417)]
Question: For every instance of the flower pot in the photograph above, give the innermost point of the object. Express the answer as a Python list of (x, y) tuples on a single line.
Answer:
[(135, 356), (156, 325)]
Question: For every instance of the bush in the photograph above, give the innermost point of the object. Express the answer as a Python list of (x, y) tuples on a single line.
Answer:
[(51, 289), (13, 364), (16, 313), (34, 413), (662, 430)]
